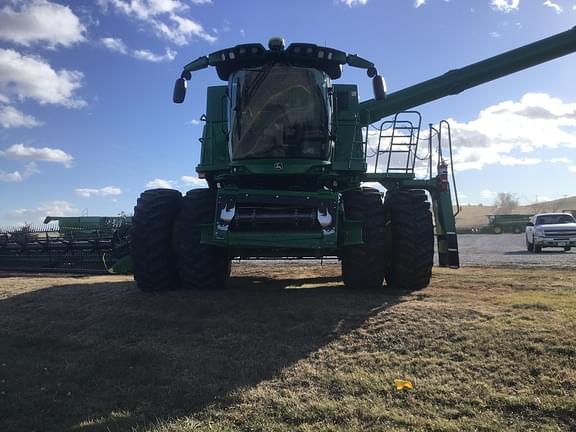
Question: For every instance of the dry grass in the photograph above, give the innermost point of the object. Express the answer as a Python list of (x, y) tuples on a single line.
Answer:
[(287, 348)]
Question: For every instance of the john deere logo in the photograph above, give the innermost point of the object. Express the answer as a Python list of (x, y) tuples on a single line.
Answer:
[(278, 166)]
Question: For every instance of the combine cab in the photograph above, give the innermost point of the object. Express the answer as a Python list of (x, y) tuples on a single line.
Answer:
[(287, 154)]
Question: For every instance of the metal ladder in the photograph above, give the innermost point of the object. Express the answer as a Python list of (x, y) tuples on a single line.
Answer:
[(398, 143)]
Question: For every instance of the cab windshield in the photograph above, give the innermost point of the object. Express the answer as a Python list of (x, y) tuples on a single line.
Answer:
[(279, 111)]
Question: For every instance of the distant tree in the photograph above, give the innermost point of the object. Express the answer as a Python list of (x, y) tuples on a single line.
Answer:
[(505, 202)]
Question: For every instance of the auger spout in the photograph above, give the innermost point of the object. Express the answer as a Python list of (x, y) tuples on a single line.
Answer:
[(457, 80)]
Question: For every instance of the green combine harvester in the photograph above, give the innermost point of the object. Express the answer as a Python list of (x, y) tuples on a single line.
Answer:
[(506, 223), (286, 153)]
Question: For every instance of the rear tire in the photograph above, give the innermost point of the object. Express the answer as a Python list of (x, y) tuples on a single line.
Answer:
[(202, 266), (498, 229), (411, 251), (567, 248), (363, 266), (152, 246)]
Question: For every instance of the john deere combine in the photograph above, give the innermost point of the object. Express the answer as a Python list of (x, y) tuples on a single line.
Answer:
[(285, 153)]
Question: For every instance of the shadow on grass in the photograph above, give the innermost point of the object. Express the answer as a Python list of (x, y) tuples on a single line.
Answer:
[(106, 357)]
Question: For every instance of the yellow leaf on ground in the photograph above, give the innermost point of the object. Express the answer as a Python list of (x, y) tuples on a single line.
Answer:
[(403, 384)]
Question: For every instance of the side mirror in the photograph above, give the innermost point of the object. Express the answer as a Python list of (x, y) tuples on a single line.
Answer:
[(179, 91), (529, 224), (379, 87)]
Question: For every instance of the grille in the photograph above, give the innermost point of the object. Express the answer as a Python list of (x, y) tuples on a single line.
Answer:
[(275, 218), (564, 234)]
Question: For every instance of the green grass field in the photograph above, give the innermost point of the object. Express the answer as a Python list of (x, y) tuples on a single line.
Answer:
[(289, 349)]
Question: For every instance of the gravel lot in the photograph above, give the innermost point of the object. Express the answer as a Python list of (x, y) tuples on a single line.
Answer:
[(508, 249)]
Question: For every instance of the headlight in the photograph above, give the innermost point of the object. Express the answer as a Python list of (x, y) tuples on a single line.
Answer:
[(539, 232)]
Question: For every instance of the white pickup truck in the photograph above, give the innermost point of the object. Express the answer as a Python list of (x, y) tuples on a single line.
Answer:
[(550, 230)]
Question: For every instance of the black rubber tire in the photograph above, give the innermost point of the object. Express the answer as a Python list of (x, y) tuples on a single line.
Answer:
[(202, 267), (529, 246), (411, 249), (152, 247), (537, 249), (498, 229), (363, 265), (567, 248), (517, 230)]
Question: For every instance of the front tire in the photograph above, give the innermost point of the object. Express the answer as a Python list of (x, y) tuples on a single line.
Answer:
[(203, 267), (529, 246), (363, 266), (152, 246), (411, 254)]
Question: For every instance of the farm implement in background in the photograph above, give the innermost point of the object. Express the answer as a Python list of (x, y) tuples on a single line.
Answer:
[(84, 244)]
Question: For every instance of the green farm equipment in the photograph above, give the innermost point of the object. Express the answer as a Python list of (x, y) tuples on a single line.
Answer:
[(83, 244), (507, 223), (287, 155)]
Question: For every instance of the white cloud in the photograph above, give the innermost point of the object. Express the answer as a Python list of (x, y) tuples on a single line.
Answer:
[(161, 183), (45, 154), (165, 17), (488, 194), (562, 160), (17, 176), (30, 77), (198, 2), (101, 192), (193, 181), (572, 168), (146, 55), (10, 177), (505, 6), (11, 117), (352, 3), (117, 45), (506, 132), (509, 160), (194, 122), (494, 34), (418, 3), (185, 182), (40, 21), (37, 215), (554, 6)]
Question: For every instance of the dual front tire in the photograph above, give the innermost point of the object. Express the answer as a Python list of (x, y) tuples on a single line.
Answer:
[(398, 236), (166, 251)]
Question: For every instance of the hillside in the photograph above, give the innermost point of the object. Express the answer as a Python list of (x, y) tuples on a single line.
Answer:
[(475, 215)]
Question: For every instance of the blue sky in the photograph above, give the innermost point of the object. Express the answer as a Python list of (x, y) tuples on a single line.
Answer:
[(87, 122)]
